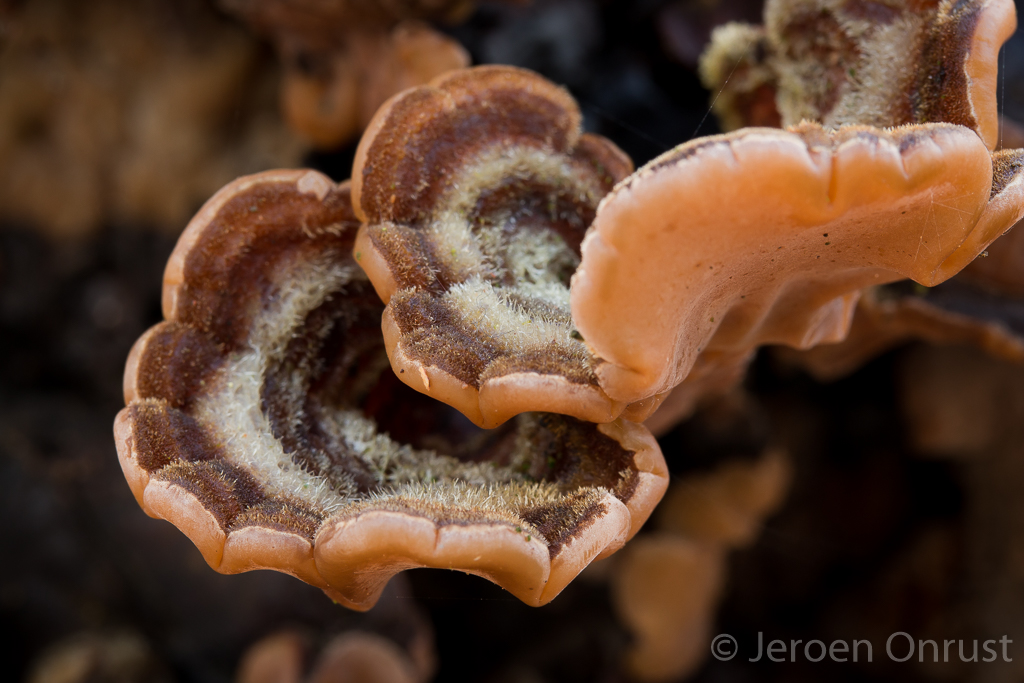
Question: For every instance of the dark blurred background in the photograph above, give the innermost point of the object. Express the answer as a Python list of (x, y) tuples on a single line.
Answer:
[(118, 119)]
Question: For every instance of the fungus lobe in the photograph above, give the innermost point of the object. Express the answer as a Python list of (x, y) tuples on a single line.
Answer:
[(264, 422), (523, 269), (860, 62), (766, 236), (476, 192)]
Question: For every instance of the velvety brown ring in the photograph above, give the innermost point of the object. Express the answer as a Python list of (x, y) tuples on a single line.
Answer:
[(252, 423)]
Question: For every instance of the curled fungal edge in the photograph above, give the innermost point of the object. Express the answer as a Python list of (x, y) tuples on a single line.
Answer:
[(263, 421), (476, 190), (766, 236)]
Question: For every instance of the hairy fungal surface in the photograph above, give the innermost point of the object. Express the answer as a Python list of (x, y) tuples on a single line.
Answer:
[(864, 62), (743, 85), (887, 64), (264, 420), (477, 192), (500, 251)]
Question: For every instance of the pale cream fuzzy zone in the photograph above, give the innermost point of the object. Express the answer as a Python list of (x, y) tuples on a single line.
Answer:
[(730, 44), (488, 309), (729, 68), (886, 65), (465, 502), (534, 257), (233, 413)]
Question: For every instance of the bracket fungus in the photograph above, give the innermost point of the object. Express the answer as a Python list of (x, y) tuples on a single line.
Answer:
[(735, 67), (888, 65), (262, 420), (471, 239), (814, 217), (476, 192), (842, 62)]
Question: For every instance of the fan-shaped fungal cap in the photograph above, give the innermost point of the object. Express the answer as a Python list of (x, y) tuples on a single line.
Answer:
[(251, 423), (982, 306), (842, 62), (476, 192), (812, 218)]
